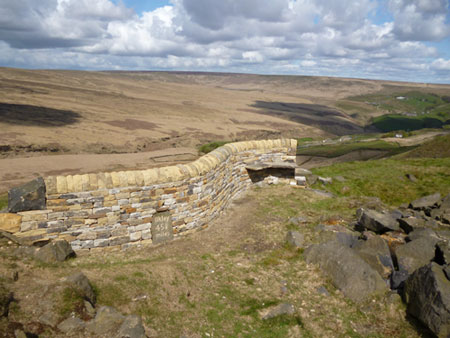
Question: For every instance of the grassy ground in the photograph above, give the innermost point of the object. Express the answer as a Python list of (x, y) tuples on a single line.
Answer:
[(386, 179), (335, 150), (3, 201), (218, 282)]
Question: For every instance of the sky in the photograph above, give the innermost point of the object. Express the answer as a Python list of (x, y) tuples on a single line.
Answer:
[(403, 40)]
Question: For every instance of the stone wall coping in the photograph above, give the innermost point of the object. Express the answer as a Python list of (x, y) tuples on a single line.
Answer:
[(147, 177)]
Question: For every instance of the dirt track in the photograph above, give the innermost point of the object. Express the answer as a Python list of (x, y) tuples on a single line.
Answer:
[(14, 171)]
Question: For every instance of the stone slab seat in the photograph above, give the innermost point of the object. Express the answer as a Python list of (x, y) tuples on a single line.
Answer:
[(256, 166)]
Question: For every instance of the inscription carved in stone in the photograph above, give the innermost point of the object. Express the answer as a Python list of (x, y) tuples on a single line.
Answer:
[(162, 227)]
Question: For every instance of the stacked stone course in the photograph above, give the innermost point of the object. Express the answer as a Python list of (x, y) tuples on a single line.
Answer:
[(117, 208)]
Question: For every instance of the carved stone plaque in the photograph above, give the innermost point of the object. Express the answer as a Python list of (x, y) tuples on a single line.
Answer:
[(162, 227)]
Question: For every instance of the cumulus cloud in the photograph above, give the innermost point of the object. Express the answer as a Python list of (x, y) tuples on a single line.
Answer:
[(325, 37), (420, 20)]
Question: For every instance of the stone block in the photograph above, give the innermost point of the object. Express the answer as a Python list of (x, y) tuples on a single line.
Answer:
[(85, 182), (115, 178), (77, 183), (10, 222), (50, 184), (123, 179), (93, 182), (135, 236)]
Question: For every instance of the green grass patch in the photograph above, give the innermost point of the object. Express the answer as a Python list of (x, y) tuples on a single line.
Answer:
[(3, 201), (336, 150), (386, 179), (412, 110), (71, 300), (208, 147), (439, 147)]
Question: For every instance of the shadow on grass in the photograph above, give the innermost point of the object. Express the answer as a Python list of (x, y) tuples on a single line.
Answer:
[(27, 115)]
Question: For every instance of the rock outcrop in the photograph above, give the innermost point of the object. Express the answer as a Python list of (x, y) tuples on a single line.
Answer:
[(30, 196), (427, 295), (347, 270)]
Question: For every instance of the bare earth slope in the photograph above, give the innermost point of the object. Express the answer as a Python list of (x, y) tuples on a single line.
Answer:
[(50, 112)]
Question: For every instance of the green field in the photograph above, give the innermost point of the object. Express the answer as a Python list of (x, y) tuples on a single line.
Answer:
[(386, 179), (410, 110), (336, 150)]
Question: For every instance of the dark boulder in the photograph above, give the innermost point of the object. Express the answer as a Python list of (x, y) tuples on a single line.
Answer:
[(57, 251), (443, 253), (375, 252), (426, 202), (421, 232), (30, 196), (347, 271), (398, 278), (376, 221), (81, 284), (415, 254), (427, 297)]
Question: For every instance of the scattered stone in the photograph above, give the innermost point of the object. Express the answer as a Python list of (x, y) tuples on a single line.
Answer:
[(81, 283), (347, 271), (107, 320), (300, 180), (295, 239), (376, 221), (57, 251), (425, 202), (411, 177), (71, 325), (302, 172), (30, 196), (311, 179), (298, 220), (375, 252), (10, 222), (427, 295), (279, 310), (49, 318), (90, 310), (340, 178), (323, 291), (415, 254), (11, 237), (322, 193), (131, 328), (325, 180)]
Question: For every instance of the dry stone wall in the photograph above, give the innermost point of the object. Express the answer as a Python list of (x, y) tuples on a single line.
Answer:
[(126, 207)]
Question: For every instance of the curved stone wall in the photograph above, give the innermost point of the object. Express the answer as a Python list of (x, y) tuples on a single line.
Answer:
[(122, 208)]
